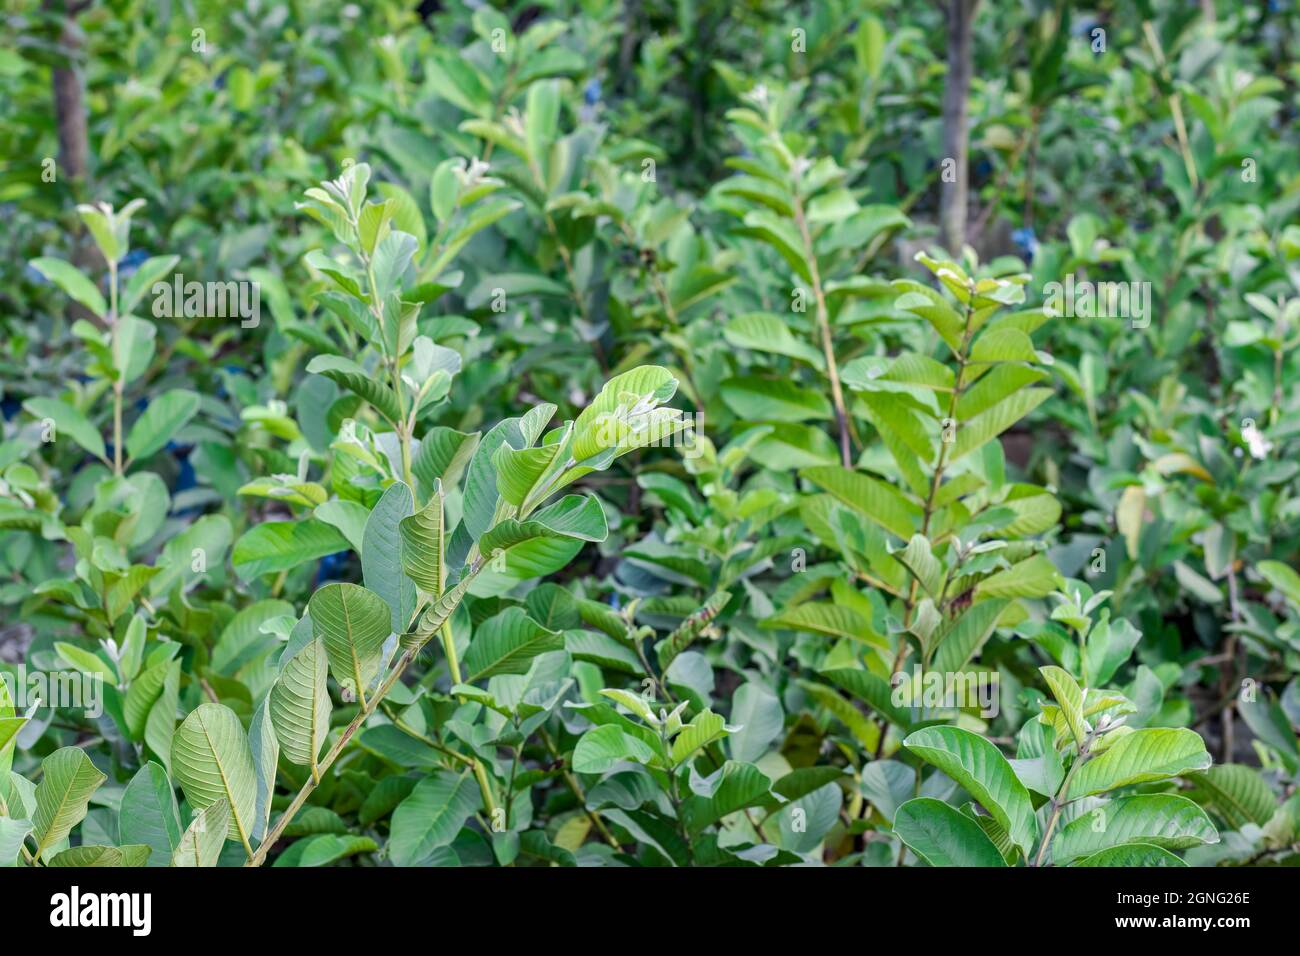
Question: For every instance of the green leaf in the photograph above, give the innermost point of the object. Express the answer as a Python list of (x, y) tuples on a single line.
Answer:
[(347, 517), (443, 455), (601, 748), (1069, 697), (1236, 793), (423, 545), (69, 421), (205, 837), (353, 623), (998, 384), (925, 567), (381, 555), (146, 275), (758, 714), (739, 785), (961, 639), (1032, 578), (518, 472), (934, 308), (873, 690), (979, 767), (699, 733), (873, 499), (265, 750), (991, 423), (1139, 757), (633, 702), (1283, 578), (431, 816), (212, 761), (70, 279), (149, 814), (345, 372), (944, 836), (517, 551), (85, 661), (764, 332), (324, 849), (281, 545), (832, 620), (1165, 820), (864, 730), (779, 400), (12, 834), (781, 235), (101, 856), (1132, 855), (166, 415), (507, 644), (210, 535), (300, 705), (160, 725), (645, 387), (135, 347), (1002, 345), (62, 796), (541, 118)]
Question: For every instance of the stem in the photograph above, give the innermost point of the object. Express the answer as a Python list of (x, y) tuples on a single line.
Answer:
[(824, 330), (119, 381), (274, 834), (510, 787), (1059, 801), (449, 648), (480, 774), (425, 739), (368, 707), (401, 427), (1175, 107), (959, 386), (676, 800), (956, 136)]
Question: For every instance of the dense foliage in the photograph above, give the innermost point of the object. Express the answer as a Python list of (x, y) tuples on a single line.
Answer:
[(626, 434)]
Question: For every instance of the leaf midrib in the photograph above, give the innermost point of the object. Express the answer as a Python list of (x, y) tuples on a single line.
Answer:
[(225, 782)]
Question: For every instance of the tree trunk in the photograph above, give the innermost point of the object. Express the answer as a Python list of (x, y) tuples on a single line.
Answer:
[(69, 101), (954, 185)]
